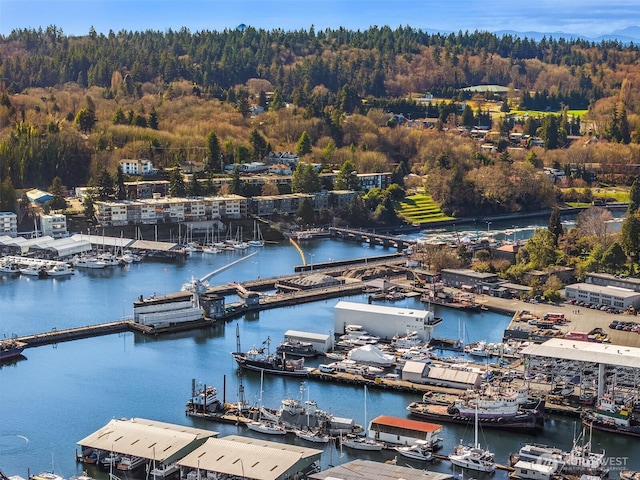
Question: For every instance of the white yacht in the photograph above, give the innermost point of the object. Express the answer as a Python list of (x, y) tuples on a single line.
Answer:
[(473, 457), (59, 270), (88, 262), (362, 443), (268, 428), (420, 450)]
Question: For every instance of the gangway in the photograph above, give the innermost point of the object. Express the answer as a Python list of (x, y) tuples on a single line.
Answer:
[(228, 265)]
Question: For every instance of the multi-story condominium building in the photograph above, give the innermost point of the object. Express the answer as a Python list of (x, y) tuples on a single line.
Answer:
[(54, 225), (147, 188), (8, 224), (137, 167), (169, 210), (374, 180)]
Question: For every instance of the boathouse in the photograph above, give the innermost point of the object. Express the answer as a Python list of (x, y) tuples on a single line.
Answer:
[(382, 321), (159, 442), (250, 458), (360, 469), (453, 376), (321, 342), (401, 431)]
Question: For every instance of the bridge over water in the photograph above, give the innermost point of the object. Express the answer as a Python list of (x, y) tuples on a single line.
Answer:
[(372, 238)]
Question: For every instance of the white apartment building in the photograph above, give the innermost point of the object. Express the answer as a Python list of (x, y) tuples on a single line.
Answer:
[(54, 225), (137, 167), (8, 224)]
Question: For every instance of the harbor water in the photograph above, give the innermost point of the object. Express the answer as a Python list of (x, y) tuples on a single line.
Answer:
[(59, 394)]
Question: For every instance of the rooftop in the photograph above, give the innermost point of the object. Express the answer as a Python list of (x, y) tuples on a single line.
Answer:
[(359, 469), (367, 308), (586, 352), (407, 424)]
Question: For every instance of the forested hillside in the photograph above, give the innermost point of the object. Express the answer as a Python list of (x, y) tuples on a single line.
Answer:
[(72, 107)]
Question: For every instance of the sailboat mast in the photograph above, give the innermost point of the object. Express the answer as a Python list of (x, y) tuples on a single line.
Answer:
[(475, 439)]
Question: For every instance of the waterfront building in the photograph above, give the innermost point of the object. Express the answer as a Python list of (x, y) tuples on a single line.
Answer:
[(617, 297), (599, 366), (359, 469), (165, 310), (608, 280), (236, 456), (8, 224), (382, 321), (469, 280), (401, 431), (54, 225), (155, 442), (321, 342)]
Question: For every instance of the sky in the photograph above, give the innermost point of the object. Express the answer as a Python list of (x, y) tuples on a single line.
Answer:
[(588, 18)]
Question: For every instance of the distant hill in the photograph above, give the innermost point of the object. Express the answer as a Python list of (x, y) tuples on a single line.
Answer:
[(626, 35)]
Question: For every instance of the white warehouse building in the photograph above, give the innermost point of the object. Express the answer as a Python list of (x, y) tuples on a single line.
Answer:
[(384, 322), (616, 297)]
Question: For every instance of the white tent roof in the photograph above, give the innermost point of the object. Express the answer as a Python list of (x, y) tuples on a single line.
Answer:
[(606, 353)]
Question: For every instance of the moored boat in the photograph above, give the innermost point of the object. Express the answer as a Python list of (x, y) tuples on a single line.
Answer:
[(523, 420), (11, 348), (630, 475), (612, 417), (361, 443), (314, 436), (296, 348), (420, 450), (9, 268), (129, 463), (266, 427), (473, 457)]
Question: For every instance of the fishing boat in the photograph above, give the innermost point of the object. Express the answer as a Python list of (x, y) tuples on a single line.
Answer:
[(581, 460), (11, 348), (473, 457), (610, 416), (420, 450), (259, 359), (204, 399)]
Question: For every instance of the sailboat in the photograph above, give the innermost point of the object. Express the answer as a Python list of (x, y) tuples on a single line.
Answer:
[(264, 426), (473, 457), (257, 241), (362, 443)]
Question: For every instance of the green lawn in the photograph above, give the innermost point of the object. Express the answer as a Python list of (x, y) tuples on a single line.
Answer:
[(420, 209)]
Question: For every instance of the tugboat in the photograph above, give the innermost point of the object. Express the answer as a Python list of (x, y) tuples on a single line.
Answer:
[(612, 417)]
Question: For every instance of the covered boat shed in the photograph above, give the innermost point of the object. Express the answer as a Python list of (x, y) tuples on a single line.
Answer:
[(64, 247), (249, 458), (322, 342), (164, 443), (359, 469)]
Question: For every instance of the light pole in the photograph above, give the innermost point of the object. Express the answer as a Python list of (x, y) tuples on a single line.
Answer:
[(514, 234), (311, 255), (488, 226)]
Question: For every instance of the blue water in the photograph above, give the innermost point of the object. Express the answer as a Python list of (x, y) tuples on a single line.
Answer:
[(60, 394)]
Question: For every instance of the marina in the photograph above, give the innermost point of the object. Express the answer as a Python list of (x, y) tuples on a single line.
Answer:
[(148, 361)]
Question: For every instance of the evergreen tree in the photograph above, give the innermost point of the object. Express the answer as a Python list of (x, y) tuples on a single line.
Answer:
[(306, 212), (195, 190), (555, 225), (347, 178), (119, 118), (177, 188), (613, 258), (8, 199), (467, 119), (152, 122), (630, 236), (104, 185), (303, 147), (634, 197), (276, 102), (236, 181), (85, 119), (214, 151), (58, 190), (243, 107), (121, 188), (258, 145), (549, 132), (305, 179)]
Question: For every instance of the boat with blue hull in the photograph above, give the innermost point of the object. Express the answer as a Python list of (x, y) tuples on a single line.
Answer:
[(10, 349)]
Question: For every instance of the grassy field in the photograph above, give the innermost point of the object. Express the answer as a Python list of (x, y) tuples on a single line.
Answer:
[(540, 113), (420, 209)]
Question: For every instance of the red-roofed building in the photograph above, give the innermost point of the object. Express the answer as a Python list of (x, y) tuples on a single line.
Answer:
[(402, 431)]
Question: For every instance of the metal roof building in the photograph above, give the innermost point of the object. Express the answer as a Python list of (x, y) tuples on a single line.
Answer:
[(359, 469), (163, 442), (249, 458), (604, 365), (605, 353)]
